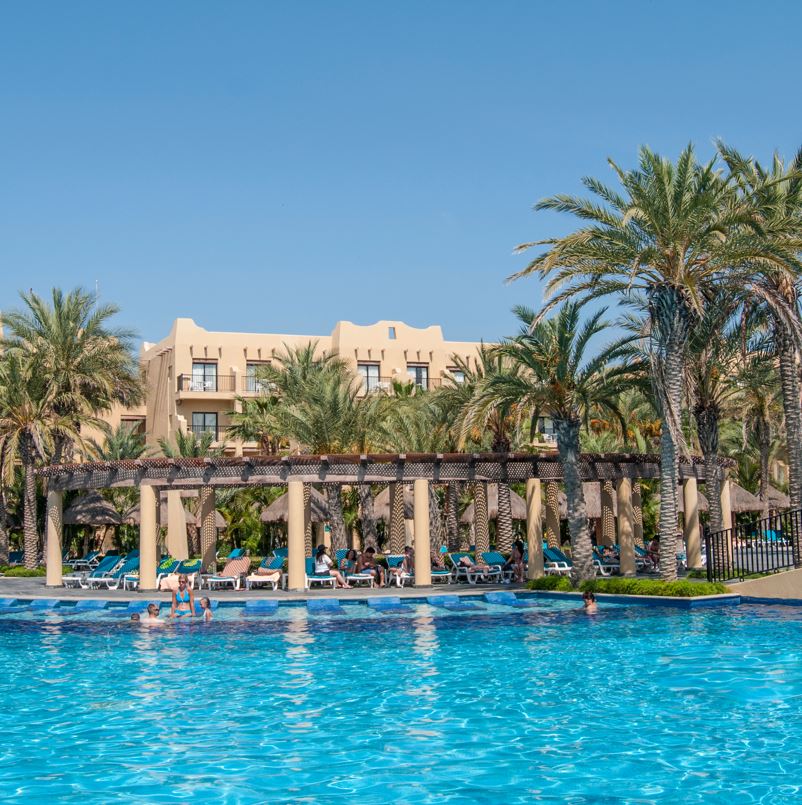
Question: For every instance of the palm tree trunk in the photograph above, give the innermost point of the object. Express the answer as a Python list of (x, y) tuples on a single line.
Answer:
[(370, 537), (567, 432), (789, 383), (3, 527), (481, 529), (763, 433), (707, 429), (208, 531), (435, 520), (29, 513), (307, 521), (339, 540), (504, 532), (452, 523), (398, 533)]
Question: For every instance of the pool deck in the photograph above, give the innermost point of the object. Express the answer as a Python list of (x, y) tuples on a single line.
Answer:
[(31, 588)]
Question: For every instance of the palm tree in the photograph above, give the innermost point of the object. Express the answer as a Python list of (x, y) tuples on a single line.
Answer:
[(257, 421), (29, 429), (673, 231), (190, 445), (89, 364), (776, 196), (556, 377)]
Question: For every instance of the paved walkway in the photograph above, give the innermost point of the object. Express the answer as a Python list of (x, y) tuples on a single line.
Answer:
[(35, 588)]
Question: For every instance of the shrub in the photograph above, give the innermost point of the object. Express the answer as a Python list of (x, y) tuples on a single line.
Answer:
[(560, 583), (25, 572)]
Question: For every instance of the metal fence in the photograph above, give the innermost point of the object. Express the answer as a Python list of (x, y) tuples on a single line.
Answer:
[(757, 546)]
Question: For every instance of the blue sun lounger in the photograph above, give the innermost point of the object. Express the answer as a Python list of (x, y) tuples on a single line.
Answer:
[(506, 599), (324, 606), (390, 603), (316, 578), (452, 602), (261, 606)]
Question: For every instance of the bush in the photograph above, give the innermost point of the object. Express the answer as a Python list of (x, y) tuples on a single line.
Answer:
[(676, 589), (24, 572)]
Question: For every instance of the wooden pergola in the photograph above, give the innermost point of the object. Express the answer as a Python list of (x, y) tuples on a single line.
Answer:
[(153, 475)]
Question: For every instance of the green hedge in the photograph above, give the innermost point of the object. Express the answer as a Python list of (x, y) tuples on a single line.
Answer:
[(677, 589), (24, 572)]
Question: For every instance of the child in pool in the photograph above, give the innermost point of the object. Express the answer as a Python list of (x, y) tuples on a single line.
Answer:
[(206, 609)]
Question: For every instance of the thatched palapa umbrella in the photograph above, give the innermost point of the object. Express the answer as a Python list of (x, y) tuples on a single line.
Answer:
[(381, 504), (91, 509), (277, 511), (518, 505)]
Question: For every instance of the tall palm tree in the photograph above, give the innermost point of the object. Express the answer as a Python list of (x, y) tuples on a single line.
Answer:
[(556, 376), (89, 363), (257, 421), (775, 192), (674, 230), (29, 429)]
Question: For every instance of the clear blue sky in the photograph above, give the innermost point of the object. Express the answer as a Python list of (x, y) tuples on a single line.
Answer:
[(277, 166)]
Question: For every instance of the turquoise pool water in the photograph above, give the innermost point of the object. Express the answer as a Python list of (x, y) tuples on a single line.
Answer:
[(635, 705)]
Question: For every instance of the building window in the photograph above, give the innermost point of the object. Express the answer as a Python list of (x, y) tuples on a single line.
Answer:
[(458, 375), (391, 333), (419, 374), (369, 372), (204, 377), (204, 422), (134, 425), (252, 383)]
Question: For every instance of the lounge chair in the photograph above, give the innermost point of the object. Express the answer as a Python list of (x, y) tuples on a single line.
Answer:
[(113, 580), (231, 575), (258, 580), (281, 553), (163, 569), (104, 568), (16, 557), (471, 576), (316, 578), (86, 562), (395, 561), (496, 559), (555, 562)]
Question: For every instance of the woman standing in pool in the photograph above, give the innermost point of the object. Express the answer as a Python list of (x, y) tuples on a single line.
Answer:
[(183, 600)]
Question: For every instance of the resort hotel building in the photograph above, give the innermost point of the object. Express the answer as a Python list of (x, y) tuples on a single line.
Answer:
[(194, 376)]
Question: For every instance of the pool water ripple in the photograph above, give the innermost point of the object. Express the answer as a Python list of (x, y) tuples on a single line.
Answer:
[(636, 705)]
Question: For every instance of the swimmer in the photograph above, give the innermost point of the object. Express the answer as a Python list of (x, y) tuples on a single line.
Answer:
[(589, 602), (206, 607)]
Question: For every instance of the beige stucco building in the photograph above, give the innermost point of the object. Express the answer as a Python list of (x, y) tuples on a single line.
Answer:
[(194, 376)]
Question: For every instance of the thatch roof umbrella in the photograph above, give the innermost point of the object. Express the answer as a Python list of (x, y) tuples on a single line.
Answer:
[(777, 499), (91, 509), (592, 492), (132, 516), (703, 502), (278, 509), (381, 504), (743, 501), (518, 506)]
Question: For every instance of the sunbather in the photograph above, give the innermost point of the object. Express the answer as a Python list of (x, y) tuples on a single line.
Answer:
[(516, 561), (474, 567), (407, 566), (324, 566), (437, 560), (349, 562), (183, 600), (367, 564)]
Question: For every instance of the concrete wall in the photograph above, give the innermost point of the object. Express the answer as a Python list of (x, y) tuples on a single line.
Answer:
[(779, 585)]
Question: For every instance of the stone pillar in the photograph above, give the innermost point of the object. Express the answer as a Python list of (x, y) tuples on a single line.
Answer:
[(690, 501), (356, 542), (55, 504), (552, 514), (296, 570), (176, 526), (320, 536), (423, 561), (481, 527), (726, 503), (208, 528), (534, 529), (607, 513), (147, 537), (626, 536), (637, 511), (307, 520)]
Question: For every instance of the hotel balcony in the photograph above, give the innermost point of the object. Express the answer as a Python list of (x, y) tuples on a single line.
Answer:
[(224, 386)]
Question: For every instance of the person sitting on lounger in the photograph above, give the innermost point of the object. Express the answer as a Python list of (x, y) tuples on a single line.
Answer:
[(349, 562), (608, 554), (654, 552), (367, 564), (183, 600), (436, 559), (478, 566), (516, 561), (325, 567), (589, 602)]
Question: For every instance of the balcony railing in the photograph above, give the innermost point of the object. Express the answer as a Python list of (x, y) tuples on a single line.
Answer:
[(219, 431), (254, 385), (207, 384), (377, 384)]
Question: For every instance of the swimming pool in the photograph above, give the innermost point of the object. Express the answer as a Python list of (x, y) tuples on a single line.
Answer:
[(637, 704)]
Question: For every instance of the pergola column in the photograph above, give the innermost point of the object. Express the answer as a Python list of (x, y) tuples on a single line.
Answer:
[(423, 562), (726, 503), (176, 526), (637, 511), (296, 565), (534, 530), (552, 514), (690, 501), (481, 527), (626, 537), (208, 528), (147, 537), (55, 504), (607, 513)]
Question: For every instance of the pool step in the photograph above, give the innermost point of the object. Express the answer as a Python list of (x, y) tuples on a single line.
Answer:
[(328, 606), (507, 599), (45, 603), (388, 603), (452, 602), (260, 606)]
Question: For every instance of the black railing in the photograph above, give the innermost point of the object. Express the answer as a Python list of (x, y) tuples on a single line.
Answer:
[(207, 384), (218, 431), (756, 546)]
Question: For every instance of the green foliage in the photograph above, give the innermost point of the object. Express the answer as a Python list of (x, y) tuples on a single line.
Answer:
[(621, 586), (19, 572)]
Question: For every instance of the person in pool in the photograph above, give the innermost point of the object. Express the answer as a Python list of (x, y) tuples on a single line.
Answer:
[(183, 600), (152, 616), (206, 609), (589, 602)]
